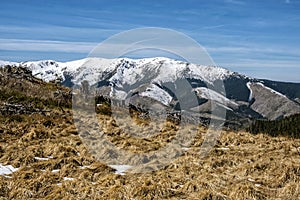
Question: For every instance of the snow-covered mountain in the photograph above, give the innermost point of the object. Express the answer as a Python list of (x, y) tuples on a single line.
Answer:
[(164, 81), (127, 70), (3, 63)]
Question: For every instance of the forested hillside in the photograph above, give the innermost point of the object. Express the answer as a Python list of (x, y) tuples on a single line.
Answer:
[(288, 126)]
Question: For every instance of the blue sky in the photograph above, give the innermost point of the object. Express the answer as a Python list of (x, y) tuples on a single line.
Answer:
[(259, 38)]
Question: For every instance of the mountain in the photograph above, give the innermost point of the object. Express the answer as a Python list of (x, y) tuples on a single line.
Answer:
[(176, 85)]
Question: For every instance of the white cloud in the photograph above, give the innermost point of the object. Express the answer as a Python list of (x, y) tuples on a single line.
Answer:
[(214, 27), (258, 49), (46, 46)]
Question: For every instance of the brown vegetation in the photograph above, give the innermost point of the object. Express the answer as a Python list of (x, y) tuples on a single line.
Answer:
[(240, 166)]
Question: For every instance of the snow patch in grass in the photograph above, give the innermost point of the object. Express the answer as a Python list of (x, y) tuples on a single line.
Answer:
[(120, 168), (68, 179), (7, 169), (43, 159), (224, 148), (257, 185)]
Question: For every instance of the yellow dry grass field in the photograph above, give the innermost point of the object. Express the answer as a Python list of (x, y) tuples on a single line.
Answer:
[(240, 166)]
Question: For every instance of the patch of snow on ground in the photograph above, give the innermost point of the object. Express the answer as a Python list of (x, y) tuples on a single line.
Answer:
[(120, 168), (42, 159), (257, 185), (83, 167), (7, 169), (68, 179)]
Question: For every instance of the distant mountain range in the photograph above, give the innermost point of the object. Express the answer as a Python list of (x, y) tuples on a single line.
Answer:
[(162, 81)]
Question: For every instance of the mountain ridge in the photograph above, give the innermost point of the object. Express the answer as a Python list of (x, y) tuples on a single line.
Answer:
[(156, 78)]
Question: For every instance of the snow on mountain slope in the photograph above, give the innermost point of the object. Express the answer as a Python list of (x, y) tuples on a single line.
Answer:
[(128, 71), (3, 63), (47, 70), (91, 69), (88, 68), (207, 93), (251, 93), (131, 71), (271, 90), (155, 92), (209, 73), (170, 70)]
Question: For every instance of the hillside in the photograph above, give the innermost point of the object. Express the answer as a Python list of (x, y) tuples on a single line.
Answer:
[(49, 160)]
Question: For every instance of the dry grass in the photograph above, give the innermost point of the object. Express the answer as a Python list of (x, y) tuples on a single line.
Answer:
[(240, 166)]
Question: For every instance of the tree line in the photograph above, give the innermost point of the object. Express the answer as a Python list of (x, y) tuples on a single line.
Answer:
[(288, 126)]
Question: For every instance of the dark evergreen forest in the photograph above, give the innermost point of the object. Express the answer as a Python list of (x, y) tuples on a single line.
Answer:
[(288, 126)]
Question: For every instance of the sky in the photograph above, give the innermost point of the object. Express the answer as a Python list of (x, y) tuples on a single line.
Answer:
[(259, 38)]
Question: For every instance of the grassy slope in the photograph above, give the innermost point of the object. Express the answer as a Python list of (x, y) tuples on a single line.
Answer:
[(240, 166)]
